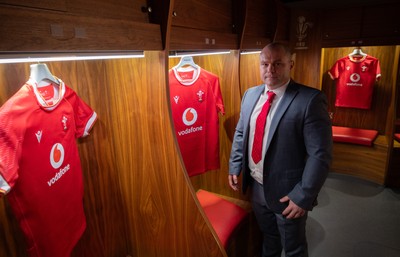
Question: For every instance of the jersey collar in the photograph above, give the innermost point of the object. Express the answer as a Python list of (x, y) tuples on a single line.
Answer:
[(48, 106), (187, 81)]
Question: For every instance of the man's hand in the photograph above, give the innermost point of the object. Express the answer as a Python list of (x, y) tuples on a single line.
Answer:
[(293, 211), (233, 182)]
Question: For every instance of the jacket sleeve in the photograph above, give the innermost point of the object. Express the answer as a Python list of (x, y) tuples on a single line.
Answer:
[(317, 135), (236, 157)]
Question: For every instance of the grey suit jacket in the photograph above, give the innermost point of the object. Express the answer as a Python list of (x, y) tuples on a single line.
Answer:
[(299, 146)]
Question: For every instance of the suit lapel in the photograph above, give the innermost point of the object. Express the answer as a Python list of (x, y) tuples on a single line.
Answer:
[(287, 98), (253, 100), (251, 103)]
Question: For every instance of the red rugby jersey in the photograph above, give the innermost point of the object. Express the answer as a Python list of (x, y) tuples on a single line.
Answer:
[(196, 100), (40, 170), (355, 81)]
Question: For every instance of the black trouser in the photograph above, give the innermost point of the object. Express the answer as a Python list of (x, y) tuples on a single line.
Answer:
[(278, 232)]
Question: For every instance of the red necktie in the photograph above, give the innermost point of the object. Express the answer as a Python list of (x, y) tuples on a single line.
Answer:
[(260, 128)]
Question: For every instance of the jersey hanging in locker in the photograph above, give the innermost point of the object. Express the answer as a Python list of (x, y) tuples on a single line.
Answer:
[(355, 80), (40, 169), (196, 100)]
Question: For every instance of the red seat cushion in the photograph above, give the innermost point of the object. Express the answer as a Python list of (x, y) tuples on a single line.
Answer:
[(223, 215), (354, 135), (397, 136)]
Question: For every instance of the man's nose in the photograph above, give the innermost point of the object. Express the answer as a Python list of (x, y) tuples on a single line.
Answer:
[(271, 68)]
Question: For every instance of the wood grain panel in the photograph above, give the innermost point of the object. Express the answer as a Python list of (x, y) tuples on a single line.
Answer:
[(204, 15), (138, 200), (369, 25), (381, 21), (342, 24), (261, 19), (202, 24), (307, 58), (64, 32), (249, 71), (58, 5), (364, 162), (116, 9), (260, 24), (376, 117), (265, 21), (194, 39)]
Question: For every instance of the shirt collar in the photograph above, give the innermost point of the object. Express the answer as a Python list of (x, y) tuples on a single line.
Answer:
[(278, 91)]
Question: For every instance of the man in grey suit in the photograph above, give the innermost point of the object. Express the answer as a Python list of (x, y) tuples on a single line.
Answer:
[(295, 156)]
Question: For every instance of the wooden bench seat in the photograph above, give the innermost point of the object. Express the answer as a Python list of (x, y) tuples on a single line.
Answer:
[(354, 135), (397, 137), (364, 162), (223, 215)]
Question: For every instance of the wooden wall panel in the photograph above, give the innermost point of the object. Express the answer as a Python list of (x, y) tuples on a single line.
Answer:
[(138, 200), (368, 163), (193, 39), (342, 24), (261, 20), (302, 72), (203, 15), (367, 25), (116, 9), (307, 57), (249, 71), (202, 24), (55, 32)]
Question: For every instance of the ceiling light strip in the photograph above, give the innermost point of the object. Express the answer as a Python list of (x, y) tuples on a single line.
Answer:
[(92, 56)]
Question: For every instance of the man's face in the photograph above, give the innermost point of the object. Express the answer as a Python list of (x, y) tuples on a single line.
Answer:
[(275, 66)]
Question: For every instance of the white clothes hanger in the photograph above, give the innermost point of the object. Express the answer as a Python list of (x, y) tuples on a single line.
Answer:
[(186, 61), (40, 72), (357, 52)]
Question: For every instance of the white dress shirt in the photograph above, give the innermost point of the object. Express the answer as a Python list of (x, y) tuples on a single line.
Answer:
[(256, 170)]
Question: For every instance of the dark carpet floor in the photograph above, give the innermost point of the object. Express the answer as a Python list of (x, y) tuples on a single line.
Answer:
[(355, 218)]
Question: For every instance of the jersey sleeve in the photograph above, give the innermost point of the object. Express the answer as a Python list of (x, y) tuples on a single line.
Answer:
[(12, 129), (85, 117), (378, 70), (335, 70), (218, 96)]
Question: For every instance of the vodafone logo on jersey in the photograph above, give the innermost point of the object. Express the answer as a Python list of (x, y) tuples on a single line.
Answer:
[(355, 77), (189, 116), (57, 155)]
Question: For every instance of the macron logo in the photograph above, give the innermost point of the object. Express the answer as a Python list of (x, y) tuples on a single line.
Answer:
[(39, 135)]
